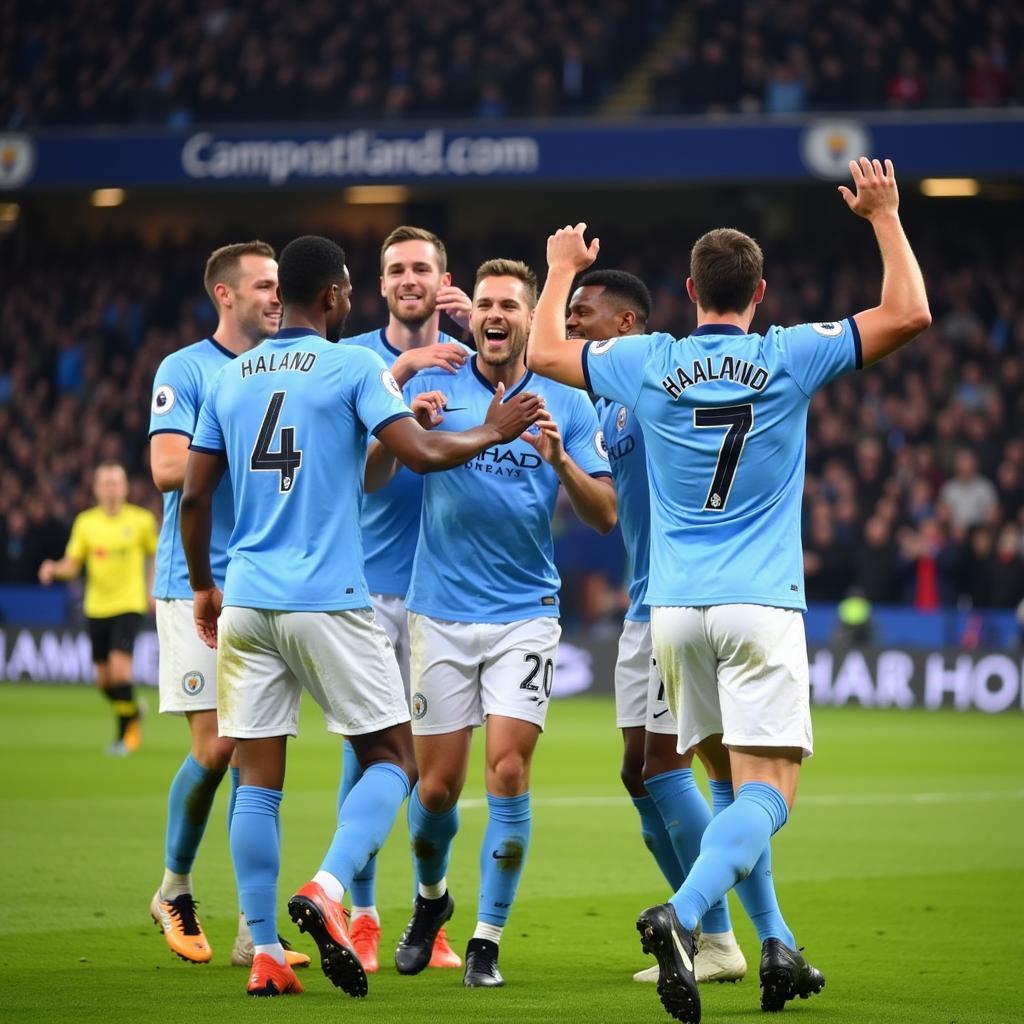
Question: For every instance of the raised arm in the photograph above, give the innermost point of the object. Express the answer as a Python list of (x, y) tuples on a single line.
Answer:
[(902, 314), (424, 451), (548, 351)]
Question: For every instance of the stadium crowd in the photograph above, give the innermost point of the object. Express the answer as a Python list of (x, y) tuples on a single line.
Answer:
[(915, 472), (788, 56), (182, 62)]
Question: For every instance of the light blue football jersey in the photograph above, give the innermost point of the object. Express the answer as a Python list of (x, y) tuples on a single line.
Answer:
[(179, 387), (724, 415), (292, 416), (628, 455), (485, 551), (391, 516)]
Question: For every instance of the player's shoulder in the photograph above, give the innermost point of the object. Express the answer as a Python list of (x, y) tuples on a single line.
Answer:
[(553, 390), (201, 355), (375, 340)]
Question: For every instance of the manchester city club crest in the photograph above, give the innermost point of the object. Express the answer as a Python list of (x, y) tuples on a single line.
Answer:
[(620, 420), (192, 683), (419, 706)]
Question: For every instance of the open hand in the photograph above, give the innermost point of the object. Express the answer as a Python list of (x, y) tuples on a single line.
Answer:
[(511, 418), (876, 188)]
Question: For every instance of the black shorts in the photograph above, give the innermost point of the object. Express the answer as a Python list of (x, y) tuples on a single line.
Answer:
[(114, 633)]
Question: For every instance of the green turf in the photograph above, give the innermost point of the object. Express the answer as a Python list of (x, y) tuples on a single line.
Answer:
[(901, 872)]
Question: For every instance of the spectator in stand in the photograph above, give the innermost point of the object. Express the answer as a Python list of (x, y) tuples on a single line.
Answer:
[(969, 498), (880, 571)]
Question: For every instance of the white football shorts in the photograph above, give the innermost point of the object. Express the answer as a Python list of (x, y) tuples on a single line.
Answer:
[(736, 669), (188, 668), (344, 659), (393, 619), (461, 672), (639, 692)]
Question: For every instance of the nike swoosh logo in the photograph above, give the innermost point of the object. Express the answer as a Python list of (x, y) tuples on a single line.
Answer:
[(688, 963), (454, 408), (503, 856), (658, 714)]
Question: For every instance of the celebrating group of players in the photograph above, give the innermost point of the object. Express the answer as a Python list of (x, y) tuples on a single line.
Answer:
[(370, 521)]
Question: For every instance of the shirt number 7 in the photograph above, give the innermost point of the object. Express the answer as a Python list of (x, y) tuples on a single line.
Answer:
[(739, 419)]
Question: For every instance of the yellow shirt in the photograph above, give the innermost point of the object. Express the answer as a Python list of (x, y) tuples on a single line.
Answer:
[(113, 550)]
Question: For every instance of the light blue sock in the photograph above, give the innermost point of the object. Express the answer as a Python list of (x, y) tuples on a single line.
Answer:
[(256, 852), (686, 815), (656, 839), (431, 837), (365, 820), (503, 855), (235, 776), (188, 809), (364, 882), (732, 843), (757, 890)]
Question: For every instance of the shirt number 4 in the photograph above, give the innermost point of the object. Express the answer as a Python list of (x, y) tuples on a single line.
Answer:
[(738, 419), (287, 459)]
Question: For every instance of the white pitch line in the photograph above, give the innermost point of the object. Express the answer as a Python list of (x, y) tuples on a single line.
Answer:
[(814, 800)]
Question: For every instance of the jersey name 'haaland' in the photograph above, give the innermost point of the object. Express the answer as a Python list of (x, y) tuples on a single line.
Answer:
[(292, 416), (179, 389), (628, 455), (724, 416), (485, 551), (391, 516)]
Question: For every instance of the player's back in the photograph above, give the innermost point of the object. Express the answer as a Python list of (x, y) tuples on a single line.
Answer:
[(292, 417), (724, 418)]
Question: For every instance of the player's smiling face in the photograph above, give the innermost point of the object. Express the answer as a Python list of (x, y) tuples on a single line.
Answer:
[(500, 320), (592, 316), (410, 281), (257, 306)]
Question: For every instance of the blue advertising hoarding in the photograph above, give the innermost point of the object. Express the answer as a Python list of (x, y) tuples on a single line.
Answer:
[(784, 149)]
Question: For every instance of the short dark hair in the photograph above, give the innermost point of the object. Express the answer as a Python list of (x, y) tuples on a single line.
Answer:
[(621, 285), (223, 263), (510, 268), (308, 265), (407, 233), (726, 266)]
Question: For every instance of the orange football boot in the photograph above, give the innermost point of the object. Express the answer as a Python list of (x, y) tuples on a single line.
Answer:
[(132, 736), (324, 920), (365, 936), (442, 954), (269, 978), (178, 920)]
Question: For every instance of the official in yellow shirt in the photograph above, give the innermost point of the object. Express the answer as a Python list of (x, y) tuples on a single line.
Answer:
[(115, 543)]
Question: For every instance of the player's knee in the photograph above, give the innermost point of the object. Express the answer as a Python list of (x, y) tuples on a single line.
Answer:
[(632, 775), (438, 794), (214, 752), (508, 774), (657, 762)]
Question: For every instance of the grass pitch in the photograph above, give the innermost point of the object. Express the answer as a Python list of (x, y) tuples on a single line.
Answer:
[(901, 871)]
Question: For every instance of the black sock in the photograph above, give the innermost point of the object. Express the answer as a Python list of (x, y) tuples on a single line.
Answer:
[(123, 697)]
